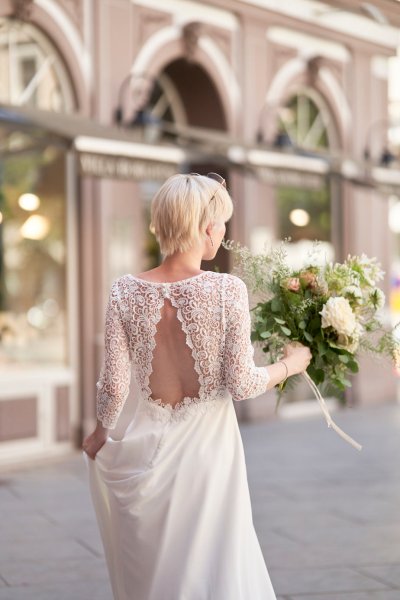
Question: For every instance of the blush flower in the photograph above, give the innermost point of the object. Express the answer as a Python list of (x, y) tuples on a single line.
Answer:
[(293, 284), (309, 279)]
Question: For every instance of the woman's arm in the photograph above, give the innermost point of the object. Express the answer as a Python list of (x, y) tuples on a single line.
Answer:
[(114, 380), (243, 378)]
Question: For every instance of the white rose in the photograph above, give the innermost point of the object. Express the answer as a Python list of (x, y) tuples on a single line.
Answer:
[(337, 313)]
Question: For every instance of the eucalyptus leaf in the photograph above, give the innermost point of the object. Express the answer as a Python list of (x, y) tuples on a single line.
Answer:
[(353, 366), (265, 334), (275, 305)]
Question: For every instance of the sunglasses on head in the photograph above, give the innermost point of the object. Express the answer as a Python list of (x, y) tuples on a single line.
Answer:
[(214, 176), (218, 178)]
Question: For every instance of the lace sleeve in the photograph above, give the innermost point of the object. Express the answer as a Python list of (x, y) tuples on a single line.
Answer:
[(114, 380), (242, 377)]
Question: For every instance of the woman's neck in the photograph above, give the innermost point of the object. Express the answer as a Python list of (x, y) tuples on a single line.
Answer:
[(182, 262)]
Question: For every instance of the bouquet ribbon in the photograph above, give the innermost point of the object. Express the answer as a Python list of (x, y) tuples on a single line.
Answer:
[(328, 417)]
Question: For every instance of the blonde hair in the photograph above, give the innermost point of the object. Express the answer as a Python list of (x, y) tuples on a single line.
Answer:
[(182, 209)]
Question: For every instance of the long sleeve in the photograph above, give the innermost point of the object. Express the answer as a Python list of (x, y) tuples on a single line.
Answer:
[(242, 377), (114, 380)]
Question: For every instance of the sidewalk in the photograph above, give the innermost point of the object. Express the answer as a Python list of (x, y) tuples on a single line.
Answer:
[(326, 514)]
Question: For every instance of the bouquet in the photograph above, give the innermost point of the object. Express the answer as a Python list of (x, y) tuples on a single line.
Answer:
[(331, 308)]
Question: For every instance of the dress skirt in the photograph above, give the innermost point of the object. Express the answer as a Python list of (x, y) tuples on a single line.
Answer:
[(173, 507)]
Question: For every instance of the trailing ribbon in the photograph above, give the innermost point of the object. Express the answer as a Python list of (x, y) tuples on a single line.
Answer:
[(328, 417)]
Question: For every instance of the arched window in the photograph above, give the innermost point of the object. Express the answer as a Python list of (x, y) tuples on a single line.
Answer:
[(31, 70), (306, 121), (304, 213)]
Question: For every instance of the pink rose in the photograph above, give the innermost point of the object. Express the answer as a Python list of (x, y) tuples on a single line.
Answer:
[(293, 284)]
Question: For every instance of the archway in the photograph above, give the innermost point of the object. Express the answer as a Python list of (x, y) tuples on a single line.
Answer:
[(185, 94)]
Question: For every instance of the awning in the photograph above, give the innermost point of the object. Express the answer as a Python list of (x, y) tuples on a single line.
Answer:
[(113, 152), (103, 151)]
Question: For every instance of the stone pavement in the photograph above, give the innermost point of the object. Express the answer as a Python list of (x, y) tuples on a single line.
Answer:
[(327, 515)]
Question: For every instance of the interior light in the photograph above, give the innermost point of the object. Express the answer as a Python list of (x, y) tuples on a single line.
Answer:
[(299, 217), (35, 227), (1, 217), (29, 201), (35, 317)]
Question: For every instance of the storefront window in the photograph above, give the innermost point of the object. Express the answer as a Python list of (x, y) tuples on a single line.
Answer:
[(33, 321), (32, 254)]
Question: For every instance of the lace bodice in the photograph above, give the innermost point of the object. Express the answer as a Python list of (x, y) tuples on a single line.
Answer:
[(213, 309)]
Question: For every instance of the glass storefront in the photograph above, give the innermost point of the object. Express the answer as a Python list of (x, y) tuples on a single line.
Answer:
[(32, 253)]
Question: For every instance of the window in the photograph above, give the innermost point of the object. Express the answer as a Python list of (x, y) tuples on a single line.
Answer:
[(31, 71), (304, 213), (32, 255), (33, 311)]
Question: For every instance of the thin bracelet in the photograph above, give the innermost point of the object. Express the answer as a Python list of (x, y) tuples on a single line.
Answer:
[(287, 370)]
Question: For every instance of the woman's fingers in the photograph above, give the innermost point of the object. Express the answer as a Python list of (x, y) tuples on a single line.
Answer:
[(91, 446)]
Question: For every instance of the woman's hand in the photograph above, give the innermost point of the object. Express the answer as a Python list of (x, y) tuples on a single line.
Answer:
[(296, 360), (297, 357), (93, 442)]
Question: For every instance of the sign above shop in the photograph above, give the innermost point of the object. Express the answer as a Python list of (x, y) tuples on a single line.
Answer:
[(285, 177), (118, 167)]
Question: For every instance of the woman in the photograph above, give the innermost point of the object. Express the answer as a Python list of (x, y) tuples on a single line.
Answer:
[(169, 486)]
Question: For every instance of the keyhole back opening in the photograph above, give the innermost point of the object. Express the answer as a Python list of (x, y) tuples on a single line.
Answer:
[(173, 374)]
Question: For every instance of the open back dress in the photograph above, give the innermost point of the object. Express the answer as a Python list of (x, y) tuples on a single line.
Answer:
[(169, 486)]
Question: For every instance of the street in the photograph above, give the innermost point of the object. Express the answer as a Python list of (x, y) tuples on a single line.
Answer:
[(326, 514)]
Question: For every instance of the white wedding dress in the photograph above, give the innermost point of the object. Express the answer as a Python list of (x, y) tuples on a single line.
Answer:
[(169, 486)]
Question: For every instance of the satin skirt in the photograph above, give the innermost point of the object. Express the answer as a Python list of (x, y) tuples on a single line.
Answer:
[(172, 503)]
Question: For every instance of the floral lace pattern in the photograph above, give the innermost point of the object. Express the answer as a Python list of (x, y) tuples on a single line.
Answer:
[(213, 309)]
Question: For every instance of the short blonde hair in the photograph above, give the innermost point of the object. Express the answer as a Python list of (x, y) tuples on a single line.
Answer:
[(182, 209)]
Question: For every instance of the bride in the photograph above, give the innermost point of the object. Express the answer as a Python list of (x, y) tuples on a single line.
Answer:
[(166, 469)]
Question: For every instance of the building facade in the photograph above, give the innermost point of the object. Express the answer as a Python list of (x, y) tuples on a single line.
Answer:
[(216, 78)]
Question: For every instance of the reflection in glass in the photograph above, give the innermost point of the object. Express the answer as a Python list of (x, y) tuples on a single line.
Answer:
[(32, 256)]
